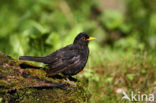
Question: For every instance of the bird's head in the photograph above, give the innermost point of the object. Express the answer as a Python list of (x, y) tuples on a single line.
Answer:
[(83, 39)]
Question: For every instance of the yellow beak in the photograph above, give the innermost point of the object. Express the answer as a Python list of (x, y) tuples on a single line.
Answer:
[(91, 38)]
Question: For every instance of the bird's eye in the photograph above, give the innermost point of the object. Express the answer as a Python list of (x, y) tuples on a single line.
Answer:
[(83, 38)]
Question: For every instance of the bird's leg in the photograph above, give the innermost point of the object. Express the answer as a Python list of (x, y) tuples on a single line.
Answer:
[(69, 81), (70, 78)]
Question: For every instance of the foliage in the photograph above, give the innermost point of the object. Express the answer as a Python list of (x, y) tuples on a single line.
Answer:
[(43, 24)]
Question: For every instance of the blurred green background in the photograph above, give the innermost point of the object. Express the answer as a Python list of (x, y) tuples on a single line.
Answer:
[(122, 57)]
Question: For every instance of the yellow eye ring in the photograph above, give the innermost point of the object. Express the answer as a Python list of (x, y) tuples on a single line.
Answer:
[(83, 38)]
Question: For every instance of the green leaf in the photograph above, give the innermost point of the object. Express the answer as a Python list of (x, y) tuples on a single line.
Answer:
[(130, 76), (109, 79), (112, 19), (54, 40), (143, 71), (72, 34)]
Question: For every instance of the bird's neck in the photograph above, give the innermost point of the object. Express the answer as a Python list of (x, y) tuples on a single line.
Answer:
[(82, 46)]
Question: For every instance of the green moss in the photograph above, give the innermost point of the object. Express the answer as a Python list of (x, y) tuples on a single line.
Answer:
[(31, 95), (17, 85)]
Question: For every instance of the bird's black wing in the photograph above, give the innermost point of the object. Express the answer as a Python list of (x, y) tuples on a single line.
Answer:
[(63, 59)]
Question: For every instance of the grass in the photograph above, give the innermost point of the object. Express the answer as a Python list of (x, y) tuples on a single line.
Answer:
[(119, 70)]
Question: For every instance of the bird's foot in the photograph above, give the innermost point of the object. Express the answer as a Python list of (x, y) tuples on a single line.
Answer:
[(70, 82)]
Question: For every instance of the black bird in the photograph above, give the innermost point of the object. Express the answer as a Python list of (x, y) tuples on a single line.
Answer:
[(69, 60)]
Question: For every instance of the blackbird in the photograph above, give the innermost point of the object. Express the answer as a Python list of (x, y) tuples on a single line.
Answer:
[(69, 60)]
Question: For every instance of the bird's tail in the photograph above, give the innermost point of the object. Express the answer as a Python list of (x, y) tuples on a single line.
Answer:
[(31, 58)]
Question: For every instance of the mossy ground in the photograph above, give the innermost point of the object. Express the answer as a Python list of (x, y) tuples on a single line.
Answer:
[(19, 85)]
